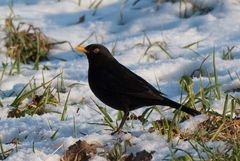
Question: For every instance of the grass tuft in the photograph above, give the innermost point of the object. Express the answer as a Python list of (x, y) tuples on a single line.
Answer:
[(216, 128), (25, 42), (38, 102)]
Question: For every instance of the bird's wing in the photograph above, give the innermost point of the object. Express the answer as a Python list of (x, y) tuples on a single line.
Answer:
[(121, 80)]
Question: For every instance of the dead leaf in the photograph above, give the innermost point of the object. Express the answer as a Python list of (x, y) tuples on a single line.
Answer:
[(82, 19), (80, 151), (140, 156)]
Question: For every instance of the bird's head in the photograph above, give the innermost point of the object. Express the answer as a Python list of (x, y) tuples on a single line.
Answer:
[(96, 53)]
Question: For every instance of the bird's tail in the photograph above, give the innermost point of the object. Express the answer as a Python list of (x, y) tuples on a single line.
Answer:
[(168, 102)]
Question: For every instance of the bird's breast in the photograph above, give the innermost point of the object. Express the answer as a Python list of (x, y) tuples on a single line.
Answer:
[(98, 83)]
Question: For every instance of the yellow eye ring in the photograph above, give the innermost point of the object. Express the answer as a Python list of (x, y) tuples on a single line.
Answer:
[(96, 50)]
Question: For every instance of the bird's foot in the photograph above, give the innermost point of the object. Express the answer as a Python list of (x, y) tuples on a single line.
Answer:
[(118, 131)]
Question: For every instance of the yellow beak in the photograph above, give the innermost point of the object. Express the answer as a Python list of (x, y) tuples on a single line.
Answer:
[(80, 48)]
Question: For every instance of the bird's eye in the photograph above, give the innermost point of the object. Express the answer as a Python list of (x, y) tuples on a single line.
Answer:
[(96, 50)]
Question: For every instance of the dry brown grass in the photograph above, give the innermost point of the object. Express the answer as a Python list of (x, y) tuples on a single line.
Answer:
[(216, 128), (25, 42)]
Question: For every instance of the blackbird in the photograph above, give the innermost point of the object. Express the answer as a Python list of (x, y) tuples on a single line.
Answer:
[(120, 88)]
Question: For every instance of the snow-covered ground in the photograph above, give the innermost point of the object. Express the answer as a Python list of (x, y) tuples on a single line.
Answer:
[(123, 25)]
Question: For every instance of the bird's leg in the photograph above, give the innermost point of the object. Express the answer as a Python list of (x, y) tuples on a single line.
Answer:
[(125, 116)]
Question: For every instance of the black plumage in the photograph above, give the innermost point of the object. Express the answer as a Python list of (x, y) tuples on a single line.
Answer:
[(120, 88)]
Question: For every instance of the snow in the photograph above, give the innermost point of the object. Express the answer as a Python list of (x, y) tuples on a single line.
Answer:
[(123, 24), (190, 125)]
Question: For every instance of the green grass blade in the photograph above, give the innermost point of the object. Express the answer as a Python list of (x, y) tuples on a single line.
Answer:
[(218, 92), (65, 106)]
